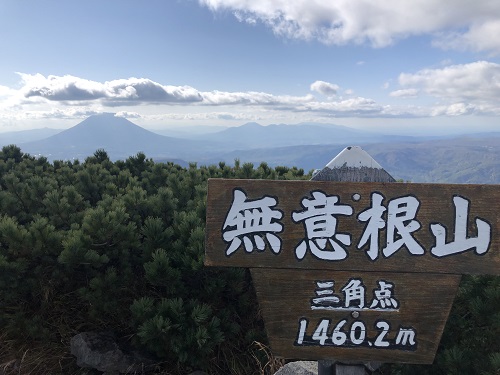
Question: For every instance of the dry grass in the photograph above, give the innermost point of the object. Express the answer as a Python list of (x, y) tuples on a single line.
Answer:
[(35, 358), (273, 363)]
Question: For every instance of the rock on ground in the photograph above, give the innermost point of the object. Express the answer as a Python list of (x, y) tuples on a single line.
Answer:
[(299, 368)]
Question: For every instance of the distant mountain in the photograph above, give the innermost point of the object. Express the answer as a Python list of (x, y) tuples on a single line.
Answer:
[(121, 138), (118, 136), (189, 132), (464, 159), (253, 135), (24, 136)]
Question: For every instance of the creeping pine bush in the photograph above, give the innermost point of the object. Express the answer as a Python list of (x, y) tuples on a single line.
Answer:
[(118, 246)]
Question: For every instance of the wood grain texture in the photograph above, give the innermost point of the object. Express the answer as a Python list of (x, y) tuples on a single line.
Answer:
[(285, 298), (436, 206)]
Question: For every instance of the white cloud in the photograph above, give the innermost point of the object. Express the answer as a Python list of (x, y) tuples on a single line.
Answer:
[(357, 106), (5, 91), (237, 116), (141, 89), (477, 82), (468, 89), (456, 109), (479, 37), (251, 98), (61, 88), (128, 114), (465, 89), (66, 113), (134, 91), (378, 23), (325, 88), (407, 93), (474, 83), (112, 93)]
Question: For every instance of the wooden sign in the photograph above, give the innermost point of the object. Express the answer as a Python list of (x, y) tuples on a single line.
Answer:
[(365, 316), (351, 270), (397, 227)]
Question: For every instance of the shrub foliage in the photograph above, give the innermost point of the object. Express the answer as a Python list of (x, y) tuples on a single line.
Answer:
[(118, 246)]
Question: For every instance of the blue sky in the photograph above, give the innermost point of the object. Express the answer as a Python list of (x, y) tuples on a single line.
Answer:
[(404, 66)]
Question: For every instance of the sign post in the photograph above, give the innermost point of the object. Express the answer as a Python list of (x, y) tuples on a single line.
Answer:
[(354, 165), (354, 271)]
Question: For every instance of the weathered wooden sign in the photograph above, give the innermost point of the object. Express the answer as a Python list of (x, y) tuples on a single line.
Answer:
[(366, 316), (331, 260), (401, 227)]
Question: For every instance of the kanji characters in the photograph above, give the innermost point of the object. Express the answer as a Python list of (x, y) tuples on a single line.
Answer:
[(253, 223), (401, 223), (354, 291), (320, 221), (383, 297), (375, 222), (461, 241), (325, 297), (249, 220), (354, 296)]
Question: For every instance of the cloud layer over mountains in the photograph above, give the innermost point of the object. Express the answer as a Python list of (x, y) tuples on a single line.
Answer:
[(459, 89)]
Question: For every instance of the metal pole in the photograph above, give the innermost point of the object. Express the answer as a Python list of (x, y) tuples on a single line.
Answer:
[(326, 367), (341, 369)]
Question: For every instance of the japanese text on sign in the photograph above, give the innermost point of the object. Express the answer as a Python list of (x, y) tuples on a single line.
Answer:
[(341, 333), (354, 296), (256, 224), (328, 333)]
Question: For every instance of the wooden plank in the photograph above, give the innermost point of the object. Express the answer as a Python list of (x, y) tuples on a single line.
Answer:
[(447, 213), (291, 299)]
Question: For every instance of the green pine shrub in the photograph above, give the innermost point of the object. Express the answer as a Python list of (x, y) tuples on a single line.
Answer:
[(118, 246)]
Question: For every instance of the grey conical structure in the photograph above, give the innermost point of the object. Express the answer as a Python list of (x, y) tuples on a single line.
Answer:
[(355, 165)]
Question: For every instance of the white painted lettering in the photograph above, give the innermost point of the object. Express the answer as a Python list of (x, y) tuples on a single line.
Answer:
[(461, 241), (247, 220), (320, 221)]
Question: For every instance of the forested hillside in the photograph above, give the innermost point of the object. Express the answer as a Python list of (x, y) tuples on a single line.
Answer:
[(118, 246)]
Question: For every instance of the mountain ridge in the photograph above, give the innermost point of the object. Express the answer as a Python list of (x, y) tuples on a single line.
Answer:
[(117, 135), (471, 158), (23, 136)]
